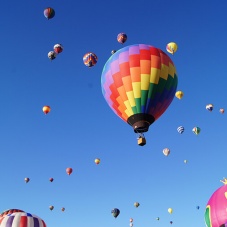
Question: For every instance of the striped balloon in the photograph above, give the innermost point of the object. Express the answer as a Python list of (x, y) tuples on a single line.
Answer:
[(10, 211), (121, 38), (180, 129), (22, 219), (139, 83), (49, 13), (90, 59), (209, 107)]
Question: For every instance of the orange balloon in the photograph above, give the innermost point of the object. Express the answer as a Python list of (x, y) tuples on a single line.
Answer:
[(46, 109), (69, 171), (97, 161)]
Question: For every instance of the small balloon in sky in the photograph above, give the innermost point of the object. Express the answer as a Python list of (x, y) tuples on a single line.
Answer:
[(26, 179), (113, 51), (58, 48), (115, 212), (46, 109), (221, 110), (210, 107), (90, 59), (51, 55), (49, 13), (185, 161), (63, 209), (51, 207), (51, 179), (136, 204), (171, 47), (166, 151), (179, 94), (122, 37), (69, 170), (170, 210), (97, 161), (180, 129), (196, 130)]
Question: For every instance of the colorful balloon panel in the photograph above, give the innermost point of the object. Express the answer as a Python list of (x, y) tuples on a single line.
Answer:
[(139, 80), (22, 219), (215, 214)]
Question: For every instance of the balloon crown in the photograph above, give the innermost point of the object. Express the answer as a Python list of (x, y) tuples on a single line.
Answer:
[(224, 181)]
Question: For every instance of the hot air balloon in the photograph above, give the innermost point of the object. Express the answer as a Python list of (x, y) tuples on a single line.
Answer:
[(157, 218), (180, 129), (185, 161), (22, 219), (62, 209), (113, 51), (26, 179), (197, 207), (121, 38), (52, 55), (130, 224), (139, 83), (97, 161), (136, 204), (90, 59), (49, 13), (209, 107), (221, 110), (215, 213), (58, 48), (170, 210), (196, 130), (69, 171), (46, 109), (115, 212), (10, 211), (51, 207), (51, 179), (179, 94), (131, 219), (166, 151), (171, 222), (171, 47)]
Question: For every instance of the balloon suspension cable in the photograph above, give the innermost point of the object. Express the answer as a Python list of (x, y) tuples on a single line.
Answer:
[(140, 135)]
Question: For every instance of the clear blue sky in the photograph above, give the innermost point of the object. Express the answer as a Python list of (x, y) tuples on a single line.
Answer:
[(82, 127)]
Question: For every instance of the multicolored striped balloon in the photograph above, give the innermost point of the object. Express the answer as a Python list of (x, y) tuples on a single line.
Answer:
[(22, 219), (215, 214), (139, 83), (90, 59), (180, 129), (49, 13), (10, 211)]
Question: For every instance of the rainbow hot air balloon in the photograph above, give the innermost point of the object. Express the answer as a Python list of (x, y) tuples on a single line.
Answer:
[(49, 13), (22, 219), (171, 47), (90, 59), (139, 83), (215, 213)]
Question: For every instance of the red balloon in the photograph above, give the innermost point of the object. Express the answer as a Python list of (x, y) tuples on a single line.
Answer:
[(69, 171)]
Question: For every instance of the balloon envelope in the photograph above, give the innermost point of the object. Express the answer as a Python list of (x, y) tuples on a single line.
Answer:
[(46, 109), (10, 211), (69, 170), (139, 83), (179, 94), (22, 219), (171, 47), (166, 151), (196, 130), (115, 212), (210, 107), (122, 37), (90, 59), (180, 129), (49, 13), (170, 210)]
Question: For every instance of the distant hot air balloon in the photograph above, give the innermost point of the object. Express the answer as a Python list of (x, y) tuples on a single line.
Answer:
[(130, 224), (97, 161), (113, 51), (139, 83), (196, 130), (49, 13), (51, 207), (170, 210), (51, 179), (171, 47), (209, 107), (180, 129), (121, 38), (157, 218), (115, 212), (131, 219), (62, 209), (185, 161), (58, 48), (197, 207), (166, 151), (52, 55), (69, 171), (26, 179), (179, 94), (22, 219), (171, 222), (90, 59), (221, 110), (136, 204), (46, 109)]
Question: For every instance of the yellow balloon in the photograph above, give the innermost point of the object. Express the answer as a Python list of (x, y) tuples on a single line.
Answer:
[(179, 94), (171, 47), (97, 161), (170, 210)]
